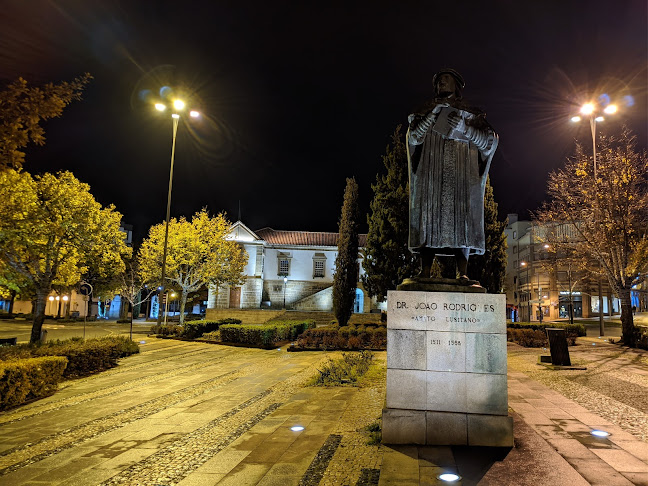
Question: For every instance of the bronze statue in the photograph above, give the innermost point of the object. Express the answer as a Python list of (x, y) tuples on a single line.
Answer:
[(449, 149)]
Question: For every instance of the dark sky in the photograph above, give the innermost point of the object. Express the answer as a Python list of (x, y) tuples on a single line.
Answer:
[(297, 96)]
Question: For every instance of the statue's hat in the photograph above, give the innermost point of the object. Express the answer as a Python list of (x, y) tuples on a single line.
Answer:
[(460, 80)]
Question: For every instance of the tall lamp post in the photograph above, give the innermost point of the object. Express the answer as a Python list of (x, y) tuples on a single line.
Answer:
[(590, 111), (178, 107), (527, 291), (285, 283)]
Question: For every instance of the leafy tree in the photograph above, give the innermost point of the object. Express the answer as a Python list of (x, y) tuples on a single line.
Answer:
[(608, 214), (490, 268), (198, 253), (387, 259), (345, 279), (51, 230), (22, 108)]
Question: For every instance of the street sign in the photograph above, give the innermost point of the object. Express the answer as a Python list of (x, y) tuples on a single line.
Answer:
[(85, 288)]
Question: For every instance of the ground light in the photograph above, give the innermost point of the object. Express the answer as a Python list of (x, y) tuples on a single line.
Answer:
[(297, 428), (599, 433), (449, 477)]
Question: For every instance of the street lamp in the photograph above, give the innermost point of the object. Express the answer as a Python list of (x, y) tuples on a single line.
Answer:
[(285, 283), (594, 115), (177, 107), (166, 310), (528, 293)]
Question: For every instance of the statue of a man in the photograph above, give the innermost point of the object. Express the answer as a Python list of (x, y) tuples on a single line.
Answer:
[(450, 148)]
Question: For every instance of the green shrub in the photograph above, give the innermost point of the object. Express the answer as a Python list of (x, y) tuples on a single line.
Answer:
[(84, 357), (166, 329), (195, 329), (211, 336), (26, 379), (529, 338), (265, 335), (344, 370), (575, 329), (345, 337)]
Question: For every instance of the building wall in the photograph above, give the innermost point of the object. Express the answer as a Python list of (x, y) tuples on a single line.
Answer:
[(531, 277), (301, 263)]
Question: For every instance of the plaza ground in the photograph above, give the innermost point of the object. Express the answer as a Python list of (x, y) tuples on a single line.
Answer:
[(198, 414)]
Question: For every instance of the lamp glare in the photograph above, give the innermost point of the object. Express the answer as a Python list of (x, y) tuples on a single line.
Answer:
[(160, 107), (175, 115), (194, 114), (297, 428), (599, 119), (599, 433), (610, 109), (576, 119), (449, 477), (178, 104), (587, 109)]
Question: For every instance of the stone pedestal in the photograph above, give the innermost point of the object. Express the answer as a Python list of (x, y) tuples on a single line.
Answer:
[(446, 369)]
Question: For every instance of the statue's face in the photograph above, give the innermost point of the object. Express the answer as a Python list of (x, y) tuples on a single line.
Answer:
[(446, 85)]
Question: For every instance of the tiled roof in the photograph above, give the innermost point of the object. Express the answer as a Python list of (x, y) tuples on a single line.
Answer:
[(304, 238)]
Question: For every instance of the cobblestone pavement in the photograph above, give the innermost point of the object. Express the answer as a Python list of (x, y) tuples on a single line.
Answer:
[(187, 414), (614, 385)]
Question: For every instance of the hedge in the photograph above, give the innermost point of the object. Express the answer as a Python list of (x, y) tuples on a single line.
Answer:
[(166, 329), (195, 329), (346, 337), (26, 379), (191, 329), (265, 335), (576, 329), (84, 357)]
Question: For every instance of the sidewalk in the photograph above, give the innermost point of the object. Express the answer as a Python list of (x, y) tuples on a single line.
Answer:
[(196, 414)]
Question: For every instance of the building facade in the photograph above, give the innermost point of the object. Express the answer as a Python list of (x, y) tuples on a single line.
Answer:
[(286, 270), (540, 285)]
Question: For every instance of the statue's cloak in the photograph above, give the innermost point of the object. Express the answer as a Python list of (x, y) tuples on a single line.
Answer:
[(447, 179)]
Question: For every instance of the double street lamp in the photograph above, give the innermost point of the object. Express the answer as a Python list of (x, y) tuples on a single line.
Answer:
[(177, 107), (595, 115)]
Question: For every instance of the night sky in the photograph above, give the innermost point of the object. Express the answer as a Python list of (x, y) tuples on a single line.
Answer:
[(297, 97)]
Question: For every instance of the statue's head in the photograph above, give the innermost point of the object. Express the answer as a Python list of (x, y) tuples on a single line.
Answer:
[(448, 82)]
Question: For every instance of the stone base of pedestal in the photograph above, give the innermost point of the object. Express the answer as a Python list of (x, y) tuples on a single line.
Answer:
[(446, 369), (402, 426)]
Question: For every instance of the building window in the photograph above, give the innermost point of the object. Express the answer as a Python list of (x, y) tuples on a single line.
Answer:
[(318, 268), (283, 265), (319, 265)]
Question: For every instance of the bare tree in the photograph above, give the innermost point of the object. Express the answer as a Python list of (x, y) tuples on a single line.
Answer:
[(608, 215)]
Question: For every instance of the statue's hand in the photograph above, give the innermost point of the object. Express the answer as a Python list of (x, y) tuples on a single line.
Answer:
[(420, 125), (454, 120)]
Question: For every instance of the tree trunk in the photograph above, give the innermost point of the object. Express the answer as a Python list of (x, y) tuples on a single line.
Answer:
[(183, 303), (12, 298), (628, 334), (38, 310)]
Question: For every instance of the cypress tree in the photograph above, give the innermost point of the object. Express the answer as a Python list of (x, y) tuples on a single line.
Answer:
[(345, 279), (387, 259), (490, 268)]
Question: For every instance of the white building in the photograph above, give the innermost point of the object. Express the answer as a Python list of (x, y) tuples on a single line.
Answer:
[(286, 269)]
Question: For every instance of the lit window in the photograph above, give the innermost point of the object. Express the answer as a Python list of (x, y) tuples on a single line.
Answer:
[(318, 269), (319, 260), (283, 264)]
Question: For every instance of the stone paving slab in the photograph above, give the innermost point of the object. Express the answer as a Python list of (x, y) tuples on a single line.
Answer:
[(208, 434)]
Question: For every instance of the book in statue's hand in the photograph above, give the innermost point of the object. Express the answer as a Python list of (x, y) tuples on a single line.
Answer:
[(442, 125)]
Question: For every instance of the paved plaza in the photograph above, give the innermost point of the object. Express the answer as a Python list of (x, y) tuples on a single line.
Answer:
[(199, 414)]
